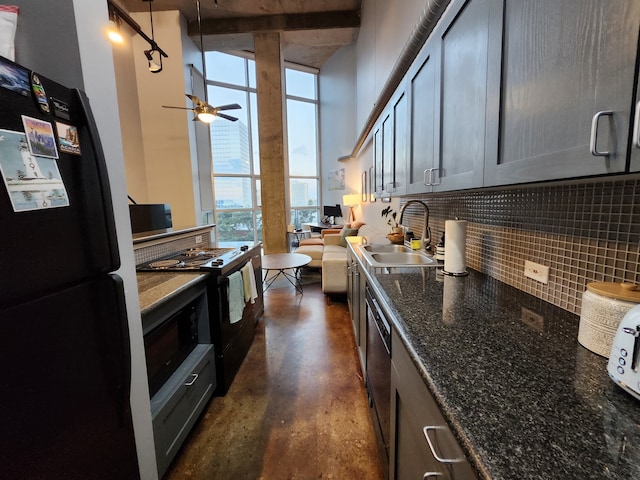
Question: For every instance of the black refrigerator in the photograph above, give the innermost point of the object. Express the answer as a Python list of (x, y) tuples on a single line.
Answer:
[(64, 342)]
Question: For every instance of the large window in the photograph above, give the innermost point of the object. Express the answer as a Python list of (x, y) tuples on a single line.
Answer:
[(235, 148), (302, 134)]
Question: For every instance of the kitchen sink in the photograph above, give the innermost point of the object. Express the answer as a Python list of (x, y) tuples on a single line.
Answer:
[(394, 256), (386, 248), (403, 258)]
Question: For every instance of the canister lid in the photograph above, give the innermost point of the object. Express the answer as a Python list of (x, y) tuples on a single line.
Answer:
[(618, 290)]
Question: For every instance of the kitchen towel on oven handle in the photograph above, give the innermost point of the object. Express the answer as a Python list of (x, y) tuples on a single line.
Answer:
[(236, 297), (250, 289)]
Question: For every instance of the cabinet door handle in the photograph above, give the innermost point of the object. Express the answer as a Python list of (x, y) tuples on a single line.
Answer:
[(433, 176), (432, 447), (593, 143), (636, 127), (424, 177), (193, 380), (429, 475)]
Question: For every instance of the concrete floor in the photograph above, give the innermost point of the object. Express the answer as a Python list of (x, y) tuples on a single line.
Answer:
[(297, 408)]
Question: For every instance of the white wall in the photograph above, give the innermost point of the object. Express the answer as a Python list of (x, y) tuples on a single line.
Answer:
[(167, 162), (337, 120), (384, 31)]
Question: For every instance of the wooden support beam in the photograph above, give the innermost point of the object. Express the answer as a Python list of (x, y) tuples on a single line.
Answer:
[(266, 23)]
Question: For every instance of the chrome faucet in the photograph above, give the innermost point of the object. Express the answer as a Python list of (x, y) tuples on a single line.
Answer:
[(426, 232)]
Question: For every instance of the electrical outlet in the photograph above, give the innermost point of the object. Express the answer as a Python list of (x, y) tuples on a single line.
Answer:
[(198, 239), (536, 271)]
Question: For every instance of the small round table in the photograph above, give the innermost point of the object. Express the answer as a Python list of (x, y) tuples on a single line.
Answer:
[(282, 262)]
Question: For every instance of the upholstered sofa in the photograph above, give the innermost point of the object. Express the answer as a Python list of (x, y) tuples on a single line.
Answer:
[(329, 252)]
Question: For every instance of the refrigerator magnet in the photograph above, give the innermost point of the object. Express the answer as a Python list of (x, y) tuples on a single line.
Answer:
[(40, 137), (40, 94), (60, 108), (14, 77), (32, 183), (68, 141)]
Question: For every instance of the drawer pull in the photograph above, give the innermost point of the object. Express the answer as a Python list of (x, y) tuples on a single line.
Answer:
[(193, 380), (426, 431), (429, 475)]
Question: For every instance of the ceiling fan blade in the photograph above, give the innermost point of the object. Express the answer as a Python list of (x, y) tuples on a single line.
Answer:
[(228, 117), (179, 108), (231, 106), (195, 99)]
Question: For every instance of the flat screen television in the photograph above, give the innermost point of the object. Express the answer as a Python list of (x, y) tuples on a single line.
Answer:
[(330, 211)]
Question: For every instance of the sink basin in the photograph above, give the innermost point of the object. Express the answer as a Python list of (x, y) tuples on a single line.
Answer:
[(386, 248), (403, 258), (395, 256)]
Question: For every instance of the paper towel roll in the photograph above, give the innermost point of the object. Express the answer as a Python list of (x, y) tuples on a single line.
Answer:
[(455, 262)]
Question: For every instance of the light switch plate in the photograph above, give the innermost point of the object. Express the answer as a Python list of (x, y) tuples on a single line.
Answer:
[(536, 271), (198, 239)]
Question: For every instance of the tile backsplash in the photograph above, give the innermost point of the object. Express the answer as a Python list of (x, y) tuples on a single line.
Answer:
[(584, 232)]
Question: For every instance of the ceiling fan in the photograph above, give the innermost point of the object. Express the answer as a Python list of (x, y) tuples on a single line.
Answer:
[(205, 112)]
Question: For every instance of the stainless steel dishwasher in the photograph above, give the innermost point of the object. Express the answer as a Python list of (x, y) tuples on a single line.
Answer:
[(379, 374)]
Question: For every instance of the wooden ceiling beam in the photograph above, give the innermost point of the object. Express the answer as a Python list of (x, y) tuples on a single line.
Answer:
[(285, 22)]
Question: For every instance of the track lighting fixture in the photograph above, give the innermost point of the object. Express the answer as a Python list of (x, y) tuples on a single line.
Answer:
[(154, 66), (117, 15), (113, 30)]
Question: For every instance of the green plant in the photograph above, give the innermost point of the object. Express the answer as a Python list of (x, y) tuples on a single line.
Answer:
[(390, 212)]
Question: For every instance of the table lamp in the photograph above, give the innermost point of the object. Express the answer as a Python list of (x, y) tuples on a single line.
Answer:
[(351, 200)]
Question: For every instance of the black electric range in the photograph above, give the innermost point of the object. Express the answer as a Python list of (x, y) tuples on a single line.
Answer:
[(231, 339), (205, 258)]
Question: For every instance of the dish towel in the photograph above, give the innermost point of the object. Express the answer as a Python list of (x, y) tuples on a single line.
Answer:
[(235, 292), (8, 21), (249, 279)]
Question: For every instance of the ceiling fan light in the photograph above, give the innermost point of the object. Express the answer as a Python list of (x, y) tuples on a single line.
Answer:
[(206, 117)]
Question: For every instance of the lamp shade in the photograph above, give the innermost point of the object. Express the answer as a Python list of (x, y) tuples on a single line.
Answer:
[(351, 199)]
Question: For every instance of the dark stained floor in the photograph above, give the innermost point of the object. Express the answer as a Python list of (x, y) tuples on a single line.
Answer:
[(297, 408)]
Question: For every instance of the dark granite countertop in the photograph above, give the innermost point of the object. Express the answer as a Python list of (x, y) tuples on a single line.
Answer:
[(523, 397)]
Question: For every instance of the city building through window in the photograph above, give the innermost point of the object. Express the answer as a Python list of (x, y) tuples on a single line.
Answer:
[(235, 148)]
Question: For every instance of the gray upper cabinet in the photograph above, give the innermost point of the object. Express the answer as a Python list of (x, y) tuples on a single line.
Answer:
[(635, 135), (390, 148), (422, 124), (400, 147), (449, 96), (377, 161), (465, 39), (383, 154), (566, 88)]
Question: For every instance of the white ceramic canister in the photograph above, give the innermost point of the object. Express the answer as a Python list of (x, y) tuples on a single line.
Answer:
[(603, 306)]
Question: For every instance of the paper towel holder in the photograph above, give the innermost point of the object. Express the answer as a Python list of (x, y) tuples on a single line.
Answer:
[(464, 271), (459, 274)]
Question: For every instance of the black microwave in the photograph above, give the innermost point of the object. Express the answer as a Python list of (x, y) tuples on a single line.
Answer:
[(169, 344)]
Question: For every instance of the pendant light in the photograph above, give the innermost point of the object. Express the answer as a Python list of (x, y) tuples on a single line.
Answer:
[(154, 66)]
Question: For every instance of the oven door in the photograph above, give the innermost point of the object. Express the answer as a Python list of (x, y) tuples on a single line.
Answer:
[(231, 340), (379, 373)]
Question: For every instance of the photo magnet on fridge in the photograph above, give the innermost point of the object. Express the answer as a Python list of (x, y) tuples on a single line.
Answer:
[(68, 141), (14, 77), (40, 137), (40, 94)]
